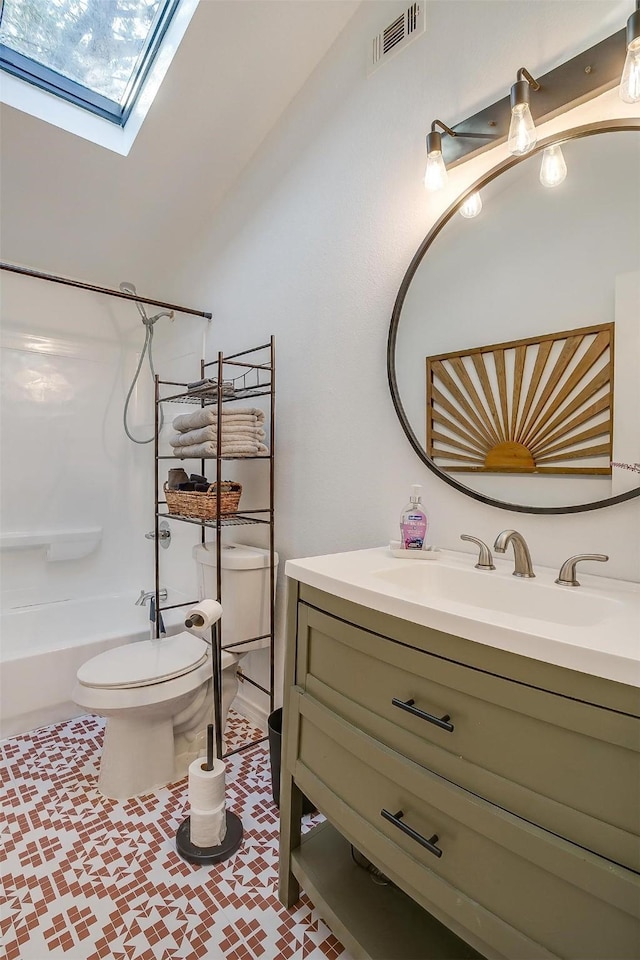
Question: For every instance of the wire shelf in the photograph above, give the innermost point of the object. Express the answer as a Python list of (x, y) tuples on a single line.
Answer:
[(208, 400), (234, 521)]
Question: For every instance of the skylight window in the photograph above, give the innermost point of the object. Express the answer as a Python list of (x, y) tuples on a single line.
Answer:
[(95, 54)]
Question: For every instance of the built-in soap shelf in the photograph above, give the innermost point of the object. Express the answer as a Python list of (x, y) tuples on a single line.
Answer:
[(60, 544)]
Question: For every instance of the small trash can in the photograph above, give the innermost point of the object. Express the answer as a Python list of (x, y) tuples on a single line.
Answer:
[(275, 753)]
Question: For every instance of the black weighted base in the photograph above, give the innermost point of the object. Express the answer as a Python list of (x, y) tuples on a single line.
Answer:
[(231, 842)]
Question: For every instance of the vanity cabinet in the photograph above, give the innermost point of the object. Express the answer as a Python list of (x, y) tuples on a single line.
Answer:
[(499, 794)]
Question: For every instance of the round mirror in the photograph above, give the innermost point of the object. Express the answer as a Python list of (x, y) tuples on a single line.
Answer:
[(514, 348)]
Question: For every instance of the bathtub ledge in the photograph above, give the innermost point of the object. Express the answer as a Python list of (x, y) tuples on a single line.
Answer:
[(60, 544)]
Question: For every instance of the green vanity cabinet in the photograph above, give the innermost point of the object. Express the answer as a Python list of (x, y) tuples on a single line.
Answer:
[(510, 789)]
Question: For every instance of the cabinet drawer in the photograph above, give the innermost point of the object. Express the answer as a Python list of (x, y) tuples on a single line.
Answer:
[(548, 891), (571, 767)]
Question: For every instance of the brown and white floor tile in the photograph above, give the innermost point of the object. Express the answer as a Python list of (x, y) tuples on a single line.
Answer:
[(88, 878)]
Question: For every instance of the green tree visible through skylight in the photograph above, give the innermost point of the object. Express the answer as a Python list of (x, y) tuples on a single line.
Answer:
[(96, 43)]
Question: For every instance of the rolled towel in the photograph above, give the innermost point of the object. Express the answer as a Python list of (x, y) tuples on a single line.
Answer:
[(235, 431)]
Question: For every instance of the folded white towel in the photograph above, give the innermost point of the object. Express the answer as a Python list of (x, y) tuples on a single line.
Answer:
[(208, 450), (208, 416), (234, 412), (232, 432)]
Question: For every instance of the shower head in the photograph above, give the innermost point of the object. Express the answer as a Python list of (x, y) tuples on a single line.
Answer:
[(130, 288)]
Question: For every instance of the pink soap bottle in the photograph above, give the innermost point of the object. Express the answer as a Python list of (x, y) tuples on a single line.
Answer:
[(413, 522)]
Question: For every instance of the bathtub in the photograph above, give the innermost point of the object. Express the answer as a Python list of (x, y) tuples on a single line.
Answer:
[(43, 645)]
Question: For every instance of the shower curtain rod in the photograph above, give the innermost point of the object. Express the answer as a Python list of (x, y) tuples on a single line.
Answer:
[(90, 286)]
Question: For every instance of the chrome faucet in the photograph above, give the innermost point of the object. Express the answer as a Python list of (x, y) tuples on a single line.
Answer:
[(485, 560), (523, 567), (148, 595), (567, 575)]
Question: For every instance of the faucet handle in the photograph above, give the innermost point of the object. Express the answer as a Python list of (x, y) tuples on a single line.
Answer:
[(485, 560), (567, 575)]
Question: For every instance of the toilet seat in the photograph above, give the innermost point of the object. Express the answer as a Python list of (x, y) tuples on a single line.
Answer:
[(144, 663)]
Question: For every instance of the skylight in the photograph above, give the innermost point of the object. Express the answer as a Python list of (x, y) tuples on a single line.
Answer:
[(50, 68), (93, 53)]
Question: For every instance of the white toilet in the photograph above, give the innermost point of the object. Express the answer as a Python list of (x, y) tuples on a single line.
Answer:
[(157, 694)]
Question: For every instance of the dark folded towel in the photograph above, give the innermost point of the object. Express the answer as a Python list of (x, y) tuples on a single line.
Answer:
[(197, 478), (207, 382), (209, 387)]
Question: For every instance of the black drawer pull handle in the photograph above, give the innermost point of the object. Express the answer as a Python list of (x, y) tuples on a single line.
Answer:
[(408, 705), (396, 820)]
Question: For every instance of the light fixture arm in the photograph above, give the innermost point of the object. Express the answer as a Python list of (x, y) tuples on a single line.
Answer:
[(444, 127), (521, 89), (434, 138), (523, 74)]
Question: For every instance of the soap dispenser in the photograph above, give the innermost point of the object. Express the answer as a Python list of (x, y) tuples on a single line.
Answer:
[(413, 522)]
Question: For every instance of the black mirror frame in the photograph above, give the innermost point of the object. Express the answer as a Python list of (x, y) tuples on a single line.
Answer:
[(605, 126)]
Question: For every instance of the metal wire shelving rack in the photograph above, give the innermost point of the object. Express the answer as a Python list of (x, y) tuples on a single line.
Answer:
[(236, 377)]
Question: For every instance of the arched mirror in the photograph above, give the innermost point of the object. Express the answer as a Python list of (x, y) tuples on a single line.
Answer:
[(514, 347)]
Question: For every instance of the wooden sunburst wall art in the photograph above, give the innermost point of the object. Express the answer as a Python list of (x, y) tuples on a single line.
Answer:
[(542, 405)]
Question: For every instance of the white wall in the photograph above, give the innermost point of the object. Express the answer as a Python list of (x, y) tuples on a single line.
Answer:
[(312, 246)]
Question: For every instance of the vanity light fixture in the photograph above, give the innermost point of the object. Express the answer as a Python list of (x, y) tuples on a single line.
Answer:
[(630, 81), (435, 175), (553, 169), (472, 206), (522, 131)]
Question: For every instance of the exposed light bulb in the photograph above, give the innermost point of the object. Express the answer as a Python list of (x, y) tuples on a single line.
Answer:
[(522, 131), (435, 175), (471, 207), (630, 82), (553, 169)]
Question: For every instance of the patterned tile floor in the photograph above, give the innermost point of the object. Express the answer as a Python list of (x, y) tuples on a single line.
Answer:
[(87, 878)]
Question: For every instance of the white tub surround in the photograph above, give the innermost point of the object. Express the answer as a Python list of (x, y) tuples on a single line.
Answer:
[(593, 628)]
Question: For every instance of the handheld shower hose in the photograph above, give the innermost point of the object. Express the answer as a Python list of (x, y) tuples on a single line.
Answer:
[(146, 349)]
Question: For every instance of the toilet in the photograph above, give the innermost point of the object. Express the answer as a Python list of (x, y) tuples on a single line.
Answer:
[(156, 695)]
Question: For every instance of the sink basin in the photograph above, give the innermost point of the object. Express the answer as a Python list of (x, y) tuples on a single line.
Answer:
[(594, 628), (500, 593)]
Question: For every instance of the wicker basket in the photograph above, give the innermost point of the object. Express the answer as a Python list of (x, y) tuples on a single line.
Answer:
[(201, 505)]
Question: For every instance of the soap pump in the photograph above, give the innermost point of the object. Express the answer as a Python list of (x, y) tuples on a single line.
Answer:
[(413, 522)]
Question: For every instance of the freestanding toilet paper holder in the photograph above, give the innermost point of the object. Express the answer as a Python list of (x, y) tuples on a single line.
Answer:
[(232, 838), (233, 835)]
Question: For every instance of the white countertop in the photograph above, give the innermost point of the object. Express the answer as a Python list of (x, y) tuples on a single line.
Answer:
[(594, 628)]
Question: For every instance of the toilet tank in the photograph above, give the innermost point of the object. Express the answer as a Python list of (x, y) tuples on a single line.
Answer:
[(245, 590)]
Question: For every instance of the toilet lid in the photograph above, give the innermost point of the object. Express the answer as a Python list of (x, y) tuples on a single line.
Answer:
[(144, 662)]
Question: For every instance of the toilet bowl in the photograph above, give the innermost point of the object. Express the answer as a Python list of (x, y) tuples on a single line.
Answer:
[(156, 695)]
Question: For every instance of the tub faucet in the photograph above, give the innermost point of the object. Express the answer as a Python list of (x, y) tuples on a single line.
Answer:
[(148, 595), (523, 567)]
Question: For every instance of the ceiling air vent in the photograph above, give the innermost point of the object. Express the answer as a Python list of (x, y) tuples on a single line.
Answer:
[(395, 37)]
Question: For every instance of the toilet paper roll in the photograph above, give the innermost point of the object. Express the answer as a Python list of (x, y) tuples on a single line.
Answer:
[(202, 617), (208, 827), (206, 787)]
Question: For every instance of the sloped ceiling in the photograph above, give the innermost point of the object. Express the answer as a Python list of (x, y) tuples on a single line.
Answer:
[(71, 207)]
